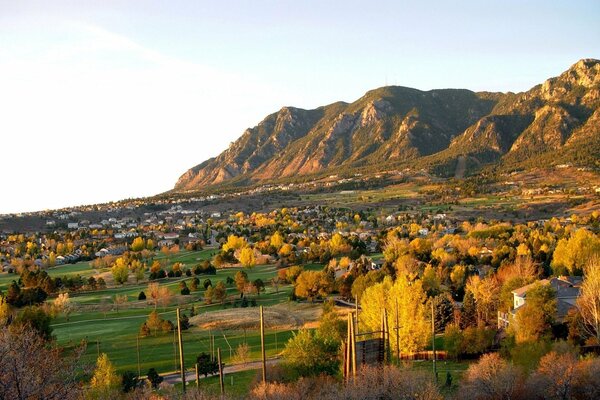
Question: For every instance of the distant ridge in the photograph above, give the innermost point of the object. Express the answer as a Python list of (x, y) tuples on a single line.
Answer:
[(554, 122)]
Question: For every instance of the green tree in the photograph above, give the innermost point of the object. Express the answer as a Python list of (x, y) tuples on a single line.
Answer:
[(37, 319), (129, 381), (534, 319), (154, 378), (206, 365), (307, 354)]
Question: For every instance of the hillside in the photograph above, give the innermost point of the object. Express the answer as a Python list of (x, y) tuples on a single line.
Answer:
[(554, 122)]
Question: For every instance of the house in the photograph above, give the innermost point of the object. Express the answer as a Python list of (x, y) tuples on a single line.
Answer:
[(567, 291), (73, 225)]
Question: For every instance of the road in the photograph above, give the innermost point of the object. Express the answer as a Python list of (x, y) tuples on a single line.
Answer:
[(190, 376)]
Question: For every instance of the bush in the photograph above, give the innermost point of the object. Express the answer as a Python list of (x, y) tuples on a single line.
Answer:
[(142, 296), (154, 378)]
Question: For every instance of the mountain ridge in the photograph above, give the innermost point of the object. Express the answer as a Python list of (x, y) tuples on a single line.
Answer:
[(430, 129)]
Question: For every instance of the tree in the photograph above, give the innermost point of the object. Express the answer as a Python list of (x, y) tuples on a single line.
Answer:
[(220, 292), (105, 379), (120, 271), (444, 312), (142, 296), (209, 293), (63, 304), (247, 257), (154, 378), (589, 300), (37, 319), (5, 312), (415, 326), (242, 354), (491, 378), (534, 319), (129, 381), (234, 243), (312, 285), (571, 255), (138, 244), (31, 369), (206, 365), (556, 376), (309, 355), (485, 293), (119, 299), (159, 294), (259, 285), (241, 281), (276, 240)]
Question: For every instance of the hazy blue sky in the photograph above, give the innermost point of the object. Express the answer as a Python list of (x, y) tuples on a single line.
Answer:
[(103, 100)]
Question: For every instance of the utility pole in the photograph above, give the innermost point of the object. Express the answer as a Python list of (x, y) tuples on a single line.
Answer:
[(181, 363), (397, 333), (221, 381), (433, 339), (137, 345), (356, 312), (262, 346), (197, 376)]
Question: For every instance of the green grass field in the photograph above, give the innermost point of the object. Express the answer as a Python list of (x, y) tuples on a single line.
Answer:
[(104, 328)]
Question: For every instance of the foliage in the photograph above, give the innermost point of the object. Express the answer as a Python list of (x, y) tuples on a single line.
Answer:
[(31, 369), (105, 378), (247, 258), (154, 378), (308, 354), (37, 319), (129, 381), (414, 331), (206, 365), (534, 319), (573, 253), (589, 300), (312, 285)]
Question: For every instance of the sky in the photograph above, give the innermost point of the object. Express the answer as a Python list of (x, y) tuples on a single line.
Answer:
[(105, 100)]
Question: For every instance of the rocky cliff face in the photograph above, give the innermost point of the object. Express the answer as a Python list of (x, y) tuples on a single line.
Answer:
[(401, 125)]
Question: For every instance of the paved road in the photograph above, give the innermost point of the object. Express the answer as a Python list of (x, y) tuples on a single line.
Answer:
[(190, 376)]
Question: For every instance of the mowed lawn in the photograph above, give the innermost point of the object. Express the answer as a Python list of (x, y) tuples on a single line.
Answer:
[(114, 330)]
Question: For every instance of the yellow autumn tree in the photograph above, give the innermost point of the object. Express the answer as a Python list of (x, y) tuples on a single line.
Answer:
[(276, 240), (247, 257), (572, 254), (414, 326), (234, 243), (105, 379)]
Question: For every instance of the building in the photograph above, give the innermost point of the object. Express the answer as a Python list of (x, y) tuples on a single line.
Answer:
[(567, 291)]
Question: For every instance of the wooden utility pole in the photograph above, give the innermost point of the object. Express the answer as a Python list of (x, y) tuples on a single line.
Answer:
[(353, 344), (137, 345), (356, 312), (181, 363), (433, 338), (262, 346), (397, 333), (386, 338), (221, 381)]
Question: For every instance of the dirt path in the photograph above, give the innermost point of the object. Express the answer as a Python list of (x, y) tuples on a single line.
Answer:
[(461, 166)]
